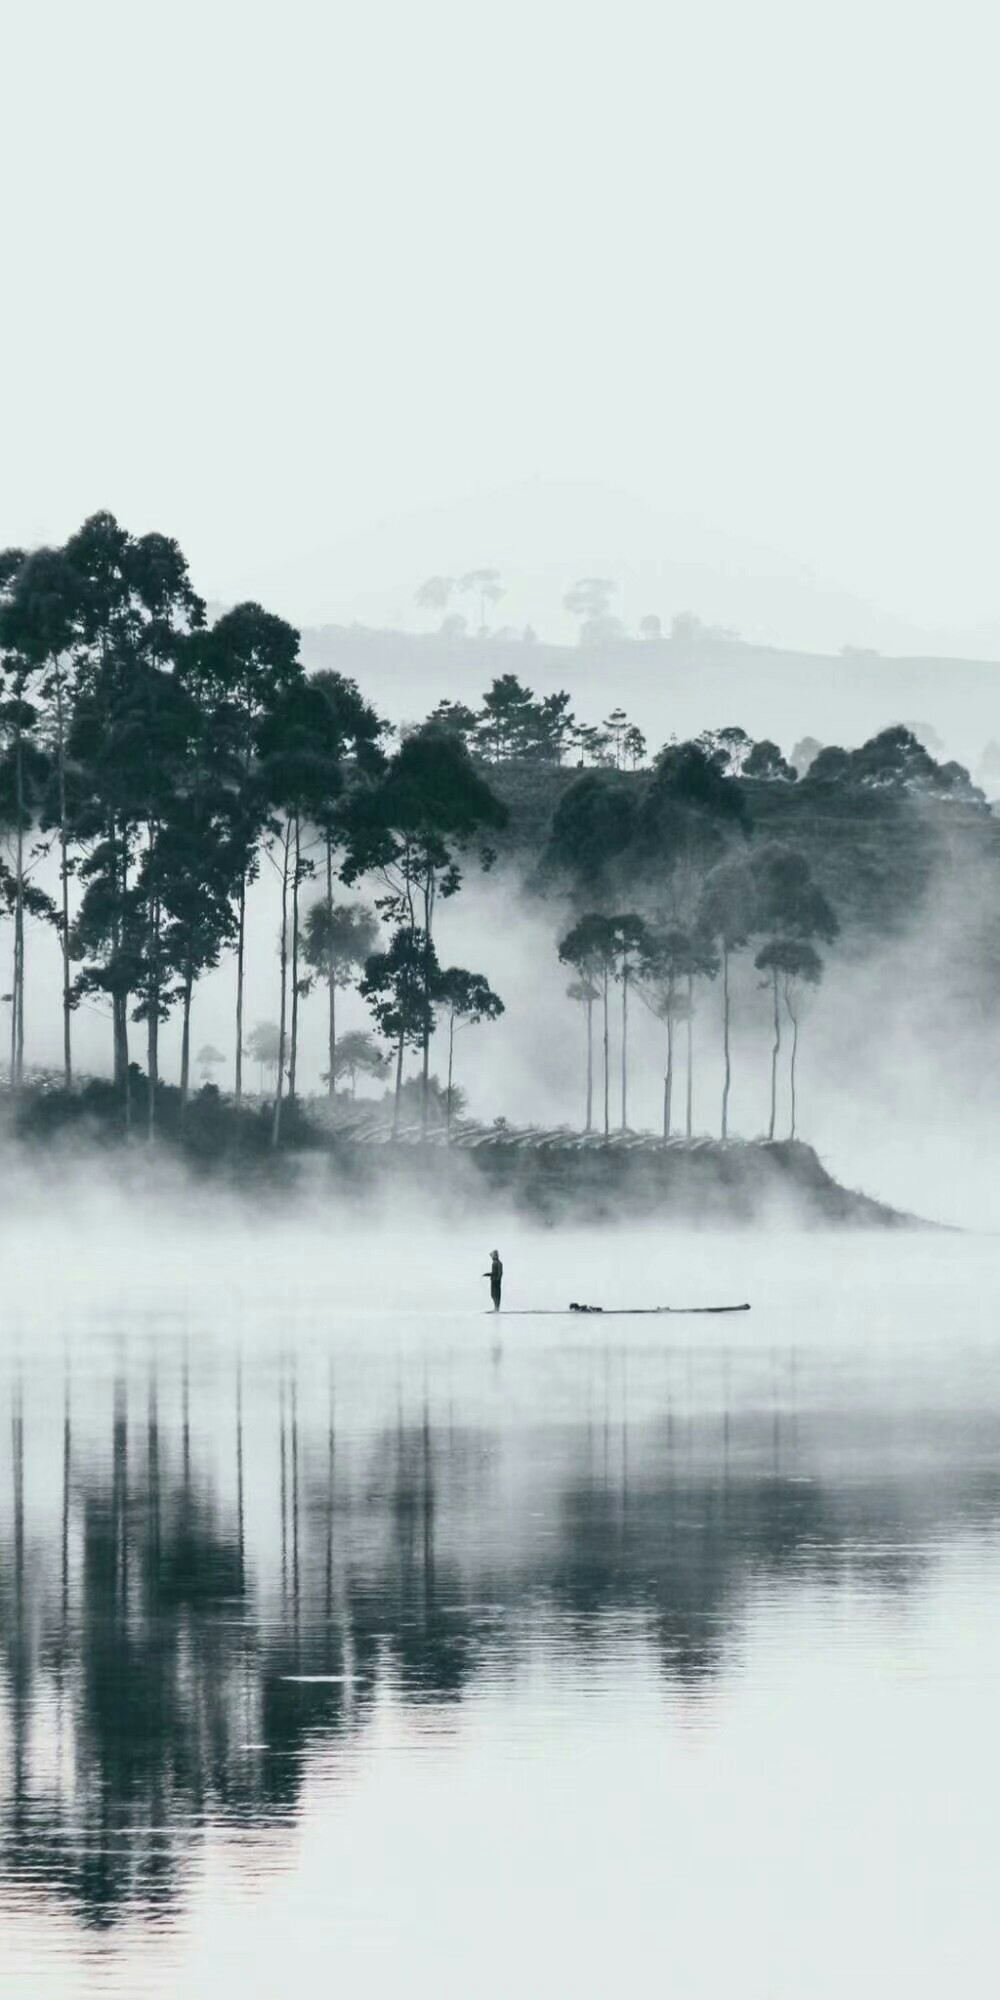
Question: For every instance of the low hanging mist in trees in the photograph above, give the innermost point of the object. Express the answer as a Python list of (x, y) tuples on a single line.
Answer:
[(166, 763), (410, 829), (703, 892), (173, 760)]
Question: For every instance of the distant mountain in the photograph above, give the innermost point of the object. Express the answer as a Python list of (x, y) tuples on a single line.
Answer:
[(542, 534)]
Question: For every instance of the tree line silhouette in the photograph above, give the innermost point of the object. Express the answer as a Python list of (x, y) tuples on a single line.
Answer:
[(165, 761), (514, 726)]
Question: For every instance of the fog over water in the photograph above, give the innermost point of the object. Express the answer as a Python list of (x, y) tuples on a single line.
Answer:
[(350, 1632)]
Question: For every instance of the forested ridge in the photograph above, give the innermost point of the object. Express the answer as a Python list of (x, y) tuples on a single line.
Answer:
[(153, 762), (875, 850)]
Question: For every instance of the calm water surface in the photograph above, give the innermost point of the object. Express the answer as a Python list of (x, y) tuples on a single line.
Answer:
[(445, 1655)]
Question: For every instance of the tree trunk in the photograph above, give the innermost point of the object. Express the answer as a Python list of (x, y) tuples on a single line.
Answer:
[(152, 993), (426, 1065), (64, 880), (399, 1087), (331, 971), (240, 939), (13, 1019), (725, 1040), (607, 1107), (117, 1058), (119, 1013), (590, 1065), (624, 1045), (668, 1074), (293, 1059), (120, 1039), (283, 1014), (19, 941), (451, 1065), (17, 996), (186, 1036), (793, 1017), (690, 1056), (774, 1055), (126, 1077)]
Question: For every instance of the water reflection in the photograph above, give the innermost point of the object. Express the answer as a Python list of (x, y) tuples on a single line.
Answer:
[(205, 1579)]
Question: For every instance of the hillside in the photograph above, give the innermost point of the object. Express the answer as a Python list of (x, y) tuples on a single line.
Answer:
[(876, 853), (677, 687)]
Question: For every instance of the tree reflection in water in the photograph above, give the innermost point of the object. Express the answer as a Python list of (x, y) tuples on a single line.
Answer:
[(166, 1668)]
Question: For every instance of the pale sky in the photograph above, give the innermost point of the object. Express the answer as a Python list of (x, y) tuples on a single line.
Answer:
[(277, 275)]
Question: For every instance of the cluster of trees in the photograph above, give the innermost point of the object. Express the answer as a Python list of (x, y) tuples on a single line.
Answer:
[(167, 761), (164, 763), (893, 760), (515, 725), (590, 600), (356, 1053), (671, 888), (410, 831), (700, 894)]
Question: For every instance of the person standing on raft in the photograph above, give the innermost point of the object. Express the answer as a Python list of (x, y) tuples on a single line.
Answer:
[(495, 1276)]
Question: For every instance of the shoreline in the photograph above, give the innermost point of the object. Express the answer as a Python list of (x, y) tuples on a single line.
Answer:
[(555, 1176)]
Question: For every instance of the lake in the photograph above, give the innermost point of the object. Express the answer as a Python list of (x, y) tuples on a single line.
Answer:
[(353, 1638)]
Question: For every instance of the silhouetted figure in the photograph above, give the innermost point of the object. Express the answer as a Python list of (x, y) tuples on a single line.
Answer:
[(495, 1276)]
